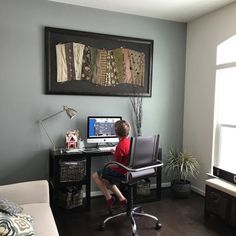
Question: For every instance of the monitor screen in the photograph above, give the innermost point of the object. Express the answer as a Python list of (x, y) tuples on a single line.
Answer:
[(101, 129)]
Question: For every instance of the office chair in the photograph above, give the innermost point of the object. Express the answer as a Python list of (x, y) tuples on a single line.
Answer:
[(143, 164)]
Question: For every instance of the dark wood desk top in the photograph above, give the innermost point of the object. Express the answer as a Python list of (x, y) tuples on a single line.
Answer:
[(87, 152)]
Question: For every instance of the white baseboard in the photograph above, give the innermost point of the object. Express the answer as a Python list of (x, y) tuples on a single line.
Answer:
[(95, 193), (153, 186), (194, 189), (166, 185), (198, 190)]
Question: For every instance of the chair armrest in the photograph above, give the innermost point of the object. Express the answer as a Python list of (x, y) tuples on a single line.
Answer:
[(26, 192), (136, 174), (157, 164)]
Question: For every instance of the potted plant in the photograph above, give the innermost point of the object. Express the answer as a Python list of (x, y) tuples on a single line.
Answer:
[(180, 166)]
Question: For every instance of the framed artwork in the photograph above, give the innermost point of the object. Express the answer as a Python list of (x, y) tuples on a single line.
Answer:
[(84, 63)]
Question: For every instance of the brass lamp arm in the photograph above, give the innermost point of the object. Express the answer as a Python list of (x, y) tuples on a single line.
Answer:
[(41, 123), (51, 116)]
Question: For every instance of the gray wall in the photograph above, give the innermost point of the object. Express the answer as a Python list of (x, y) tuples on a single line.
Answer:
[(23, 144)]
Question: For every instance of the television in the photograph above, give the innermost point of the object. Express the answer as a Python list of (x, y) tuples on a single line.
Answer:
[(101, 129)]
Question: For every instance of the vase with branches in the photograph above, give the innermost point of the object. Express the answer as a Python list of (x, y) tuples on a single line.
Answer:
[(137, 108)]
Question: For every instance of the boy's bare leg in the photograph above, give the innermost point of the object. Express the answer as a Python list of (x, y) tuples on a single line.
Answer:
[(101, 185), (115, 190)]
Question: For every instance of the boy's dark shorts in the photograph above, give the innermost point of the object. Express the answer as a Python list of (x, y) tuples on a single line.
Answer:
[(112, 176)]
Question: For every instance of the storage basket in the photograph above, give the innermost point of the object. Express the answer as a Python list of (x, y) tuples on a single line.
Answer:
[(143, 188), (72, 170), (71, 197)]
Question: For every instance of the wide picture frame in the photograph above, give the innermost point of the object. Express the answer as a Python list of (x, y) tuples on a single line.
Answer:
[(85, 63)]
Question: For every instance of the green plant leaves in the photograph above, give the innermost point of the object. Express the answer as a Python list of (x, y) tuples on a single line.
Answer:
[(181, 165)]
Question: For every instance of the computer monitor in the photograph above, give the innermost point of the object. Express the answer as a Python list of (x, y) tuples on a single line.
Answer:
[(101, 129)]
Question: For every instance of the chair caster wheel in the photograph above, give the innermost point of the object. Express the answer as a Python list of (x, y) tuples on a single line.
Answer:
[(158, 225), (102, 227)]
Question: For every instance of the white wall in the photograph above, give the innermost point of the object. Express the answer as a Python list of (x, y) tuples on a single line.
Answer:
[(203, 36)]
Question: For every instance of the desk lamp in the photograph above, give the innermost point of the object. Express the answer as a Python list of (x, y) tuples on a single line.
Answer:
[(71, 113)]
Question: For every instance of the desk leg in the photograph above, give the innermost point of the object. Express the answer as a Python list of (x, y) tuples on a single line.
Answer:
[(158, 184), (158, 177), (88, 182)]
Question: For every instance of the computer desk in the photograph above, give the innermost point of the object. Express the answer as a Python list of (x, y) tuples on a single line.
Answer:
[(57, 158)]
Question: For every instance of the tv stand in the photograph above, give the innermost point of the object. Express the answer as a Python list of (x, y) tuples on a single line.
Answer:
[(220, 200)]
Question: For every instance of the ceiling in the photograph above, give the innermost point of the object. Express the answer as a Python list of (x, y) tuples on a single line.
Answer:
[(174, 10)]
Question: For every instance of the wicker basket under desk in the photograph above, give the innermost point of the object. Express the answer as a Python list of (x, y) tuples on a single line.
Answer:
[(143, 188), (71, 171), (71, 197)]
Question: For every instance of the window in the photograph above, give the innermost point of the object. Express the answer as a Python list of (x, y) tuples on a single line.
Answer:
[(226, 51), (224, 155)]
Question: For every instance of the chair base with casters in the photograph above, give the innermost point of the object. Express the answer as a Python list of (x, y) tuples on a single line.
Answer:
[(131, 212)]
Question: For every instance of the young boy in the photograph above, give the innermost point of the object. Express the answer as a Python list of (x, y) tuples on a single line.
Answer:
[(108, 177)]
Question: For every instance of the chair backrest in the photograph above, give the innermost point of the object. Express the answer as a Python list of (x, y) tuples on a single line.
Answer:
[(143, 151)]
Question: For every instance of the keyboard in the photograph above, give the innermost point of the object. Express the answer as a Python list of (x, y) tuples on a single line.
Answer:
[(74, 150), (107, 149), (91, 150)]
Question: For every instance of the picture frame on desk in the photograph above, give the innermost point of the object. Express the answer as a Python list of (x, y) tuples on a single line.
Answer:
[(75, 64)]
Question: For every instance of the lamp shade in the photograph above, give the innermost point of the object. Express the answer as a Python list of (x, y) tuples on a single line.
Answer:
[(71, 113)]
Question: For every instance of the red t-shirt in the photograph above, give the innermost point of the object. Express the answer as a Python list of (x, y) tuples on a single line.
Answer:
[(122, 154)]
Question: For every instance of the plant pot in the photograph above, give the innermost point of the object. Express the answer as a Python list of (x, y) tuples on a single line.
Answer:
[(181, 188)]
